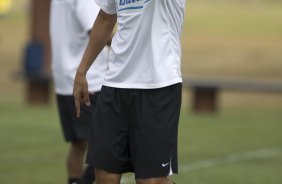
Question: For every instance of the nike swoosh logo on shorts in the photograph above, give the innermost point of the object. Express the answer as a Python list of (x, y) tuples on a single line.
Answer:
[(164, 165)]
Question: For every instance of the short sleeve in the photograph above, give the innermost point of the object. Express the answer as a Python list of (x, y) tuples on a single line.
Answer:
[(108, 6), (87, 12)]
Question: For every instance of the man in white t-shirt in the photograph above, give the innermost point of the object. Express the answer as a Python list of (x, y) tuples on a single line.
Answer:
[(136, 121), (70, 24)]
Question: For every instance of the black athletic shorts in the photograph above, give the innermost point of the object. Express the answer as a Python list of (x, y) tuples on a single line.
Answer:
[(75, 129), (135, 130)]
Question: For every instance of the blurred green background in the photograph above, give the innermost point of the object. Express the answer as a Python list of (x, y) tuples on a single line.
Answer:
[(240, 144)]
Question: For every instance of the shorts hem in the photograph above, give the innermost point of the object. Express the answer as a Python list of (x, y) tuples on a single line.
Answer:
[(105, 167), (71, 140)]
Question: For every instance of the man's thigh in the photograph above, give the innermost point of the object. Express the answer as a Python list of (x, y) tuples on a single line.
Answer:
[(153, 135)]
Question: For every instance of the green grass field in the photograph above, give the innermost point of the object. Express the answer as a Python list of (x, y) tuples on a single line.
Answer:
[(241, 144), (32, 150)]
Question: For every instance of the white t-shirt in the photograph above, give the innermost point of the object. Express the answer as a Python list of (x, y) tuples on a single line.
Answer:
[(146, 50), (70, 23)]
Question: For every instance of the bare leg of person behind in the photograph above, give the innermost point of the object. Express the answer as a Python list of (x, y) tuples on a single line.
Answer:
[(75, 160), (76, 133)]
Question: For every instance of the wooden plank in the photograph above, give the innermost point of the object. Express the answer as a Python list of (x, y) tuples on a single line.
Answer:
[(205, 100)]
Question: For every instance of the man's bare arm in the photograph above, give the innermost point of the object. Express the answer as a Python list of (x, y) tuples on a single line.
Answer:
[(109, 43), (100, 35)]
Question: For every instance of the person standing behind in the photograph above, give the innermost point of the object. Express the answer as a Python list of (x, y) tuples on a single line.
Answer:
[(136, 120), (70, 24)]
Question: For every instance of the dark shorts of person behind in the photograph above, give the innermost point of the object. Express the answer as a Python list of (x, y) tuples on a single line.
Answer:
[(135, 130), (75, 129)]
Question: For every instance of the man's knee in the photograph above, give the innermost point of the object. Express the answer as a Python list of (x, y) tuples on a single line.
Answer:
[(163, 180), (79, 146), (104, 177)]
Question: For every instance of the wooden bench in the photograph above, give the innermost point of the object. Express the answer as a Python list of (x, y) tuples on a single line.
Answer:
[(206, 90)]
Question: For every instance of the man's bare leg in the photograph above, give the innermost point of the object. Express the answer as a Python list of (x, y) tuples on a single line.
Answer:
[(75, 159), (104, 177), (163, 180)]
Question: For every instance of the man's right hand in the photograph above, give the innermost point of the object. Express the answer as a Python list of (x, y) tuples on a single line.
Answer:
[(80, 91)]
